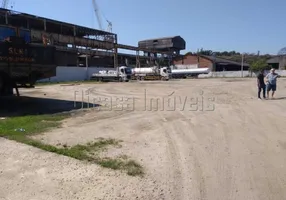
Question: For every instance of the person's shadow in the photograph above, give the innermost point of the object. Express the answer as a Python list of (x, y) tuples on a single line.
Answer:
[(278, 98)]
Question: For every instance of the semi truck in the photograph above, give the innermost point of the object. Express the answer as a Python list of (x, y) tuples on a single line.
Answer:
[(185, 73), (151, 73), (121, 74), (23, 63)]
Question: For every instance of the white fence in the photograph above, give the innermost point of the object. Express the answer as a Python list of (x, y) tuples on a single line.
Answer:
[(73, 74), (228, 74), (236, 74), (81, 73)]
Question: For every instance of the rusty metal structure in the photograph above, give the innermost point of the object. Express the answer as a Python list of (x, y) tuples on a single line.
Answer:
[(72, 41), (69, 39), (171, 46)]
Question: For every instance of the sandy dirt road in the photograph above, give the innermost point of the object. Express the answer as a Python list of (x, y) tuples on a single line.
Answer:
[(210, 140)]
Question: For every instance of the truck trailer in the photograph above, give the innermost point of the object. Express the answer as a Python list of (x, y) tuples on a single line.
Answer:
[(121, 74), (151, 73), (23, 63), (185, 73)]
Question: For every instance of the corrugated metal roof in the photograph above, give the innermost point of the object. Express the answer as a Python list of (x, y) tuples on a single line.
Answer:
[(273, 60), (222, 60)]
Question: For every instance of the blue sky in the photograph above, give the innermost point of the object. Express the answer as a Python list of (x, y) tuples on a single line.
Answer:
[(241, 25)]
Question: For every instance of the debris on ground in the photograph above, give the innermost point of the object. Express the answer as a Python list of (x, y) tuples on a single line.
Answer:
[(20, 129)]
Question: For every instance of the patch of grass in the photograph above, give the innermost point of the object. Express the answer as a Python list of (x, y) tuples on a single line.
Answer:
[(87, 152), (20, 128), (29, 124), (130, 166)]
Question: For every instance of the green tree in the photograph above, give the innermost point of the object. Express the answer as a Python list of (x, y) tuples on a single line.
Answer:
[(259, 64), (205, 52)]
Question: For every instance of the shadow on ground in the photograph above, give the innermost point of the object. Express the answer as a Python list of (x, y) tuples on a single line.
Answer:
[(235, 80), (20, 106), (279, 98)]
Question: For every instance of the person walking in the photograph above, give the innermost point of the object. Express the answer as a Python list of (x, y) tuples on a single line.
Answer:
[(271, 82), (261, 85)]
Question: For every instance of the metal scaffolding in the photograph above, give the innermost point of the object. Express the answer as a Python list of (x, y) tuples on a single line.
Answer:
[(70, 37)]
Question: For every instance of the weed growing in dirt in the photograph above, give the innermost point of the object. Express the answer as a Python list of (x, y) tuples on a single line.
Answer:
[(89, 152), (20, 128)]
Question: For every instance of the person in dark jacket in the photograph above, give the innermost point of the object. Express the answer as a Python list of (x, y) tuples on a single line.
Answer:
[(261, 84)]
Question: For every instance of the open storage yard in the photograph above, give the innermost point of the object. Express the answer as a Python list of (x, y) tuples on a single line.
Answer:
[(227, 145)]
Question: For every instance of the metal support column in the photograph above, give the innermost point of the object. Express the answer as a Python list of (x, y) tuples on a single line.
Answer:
[(137, 59), (242, 64), (17, 90), (74, 31), (74, 34), (115, 53), (86, 66), (45, 25), (6, 18)]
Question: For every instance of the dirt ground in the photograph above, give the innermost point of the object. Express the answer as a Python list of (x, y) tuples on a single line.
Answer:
[(211, 139)]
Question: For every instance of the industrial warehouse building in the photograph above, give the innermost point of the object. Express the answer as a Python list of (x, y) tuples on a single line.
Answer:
[(165, 44), (211, 62), (278, 62), (82, 46)]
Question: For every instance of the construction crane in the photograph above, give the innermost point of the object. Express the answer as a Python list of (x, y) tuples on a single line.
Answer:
[(109, 26), (96, 10), (5, 4)]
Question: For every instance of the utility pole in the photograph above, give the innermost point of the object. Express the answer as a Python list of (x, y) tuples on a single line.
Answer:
[(214, 61), (242, 62)]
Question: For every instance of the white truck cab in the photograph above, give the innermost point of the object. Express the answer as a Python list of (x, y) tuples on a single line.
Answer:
[(121, 74), (165, 73), (125, 73)]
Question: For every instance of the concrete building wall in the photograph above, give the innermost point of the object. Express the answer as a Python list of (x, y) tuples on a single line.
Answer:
[(282, 63), (73, 73), (194, 60), (278, 62)]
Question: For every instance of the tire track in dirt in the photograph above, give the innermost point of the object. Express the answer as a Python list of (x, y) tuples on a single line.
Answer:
[(178, 173), (273, 175), (215, 175), (192, 178), (193, 159)]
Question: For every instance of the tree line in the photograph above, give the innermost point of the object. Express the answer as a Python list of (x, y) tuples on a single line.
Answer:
[(256, 61)]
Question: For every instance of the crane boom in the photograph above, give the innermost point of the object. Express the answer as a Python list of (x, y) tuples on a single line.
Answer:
[(96, 10), (95, 7)]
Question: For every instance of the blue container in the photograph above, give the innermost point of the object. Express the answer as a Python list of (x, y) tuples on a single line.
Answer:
[(26, 34), (6, 32)]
